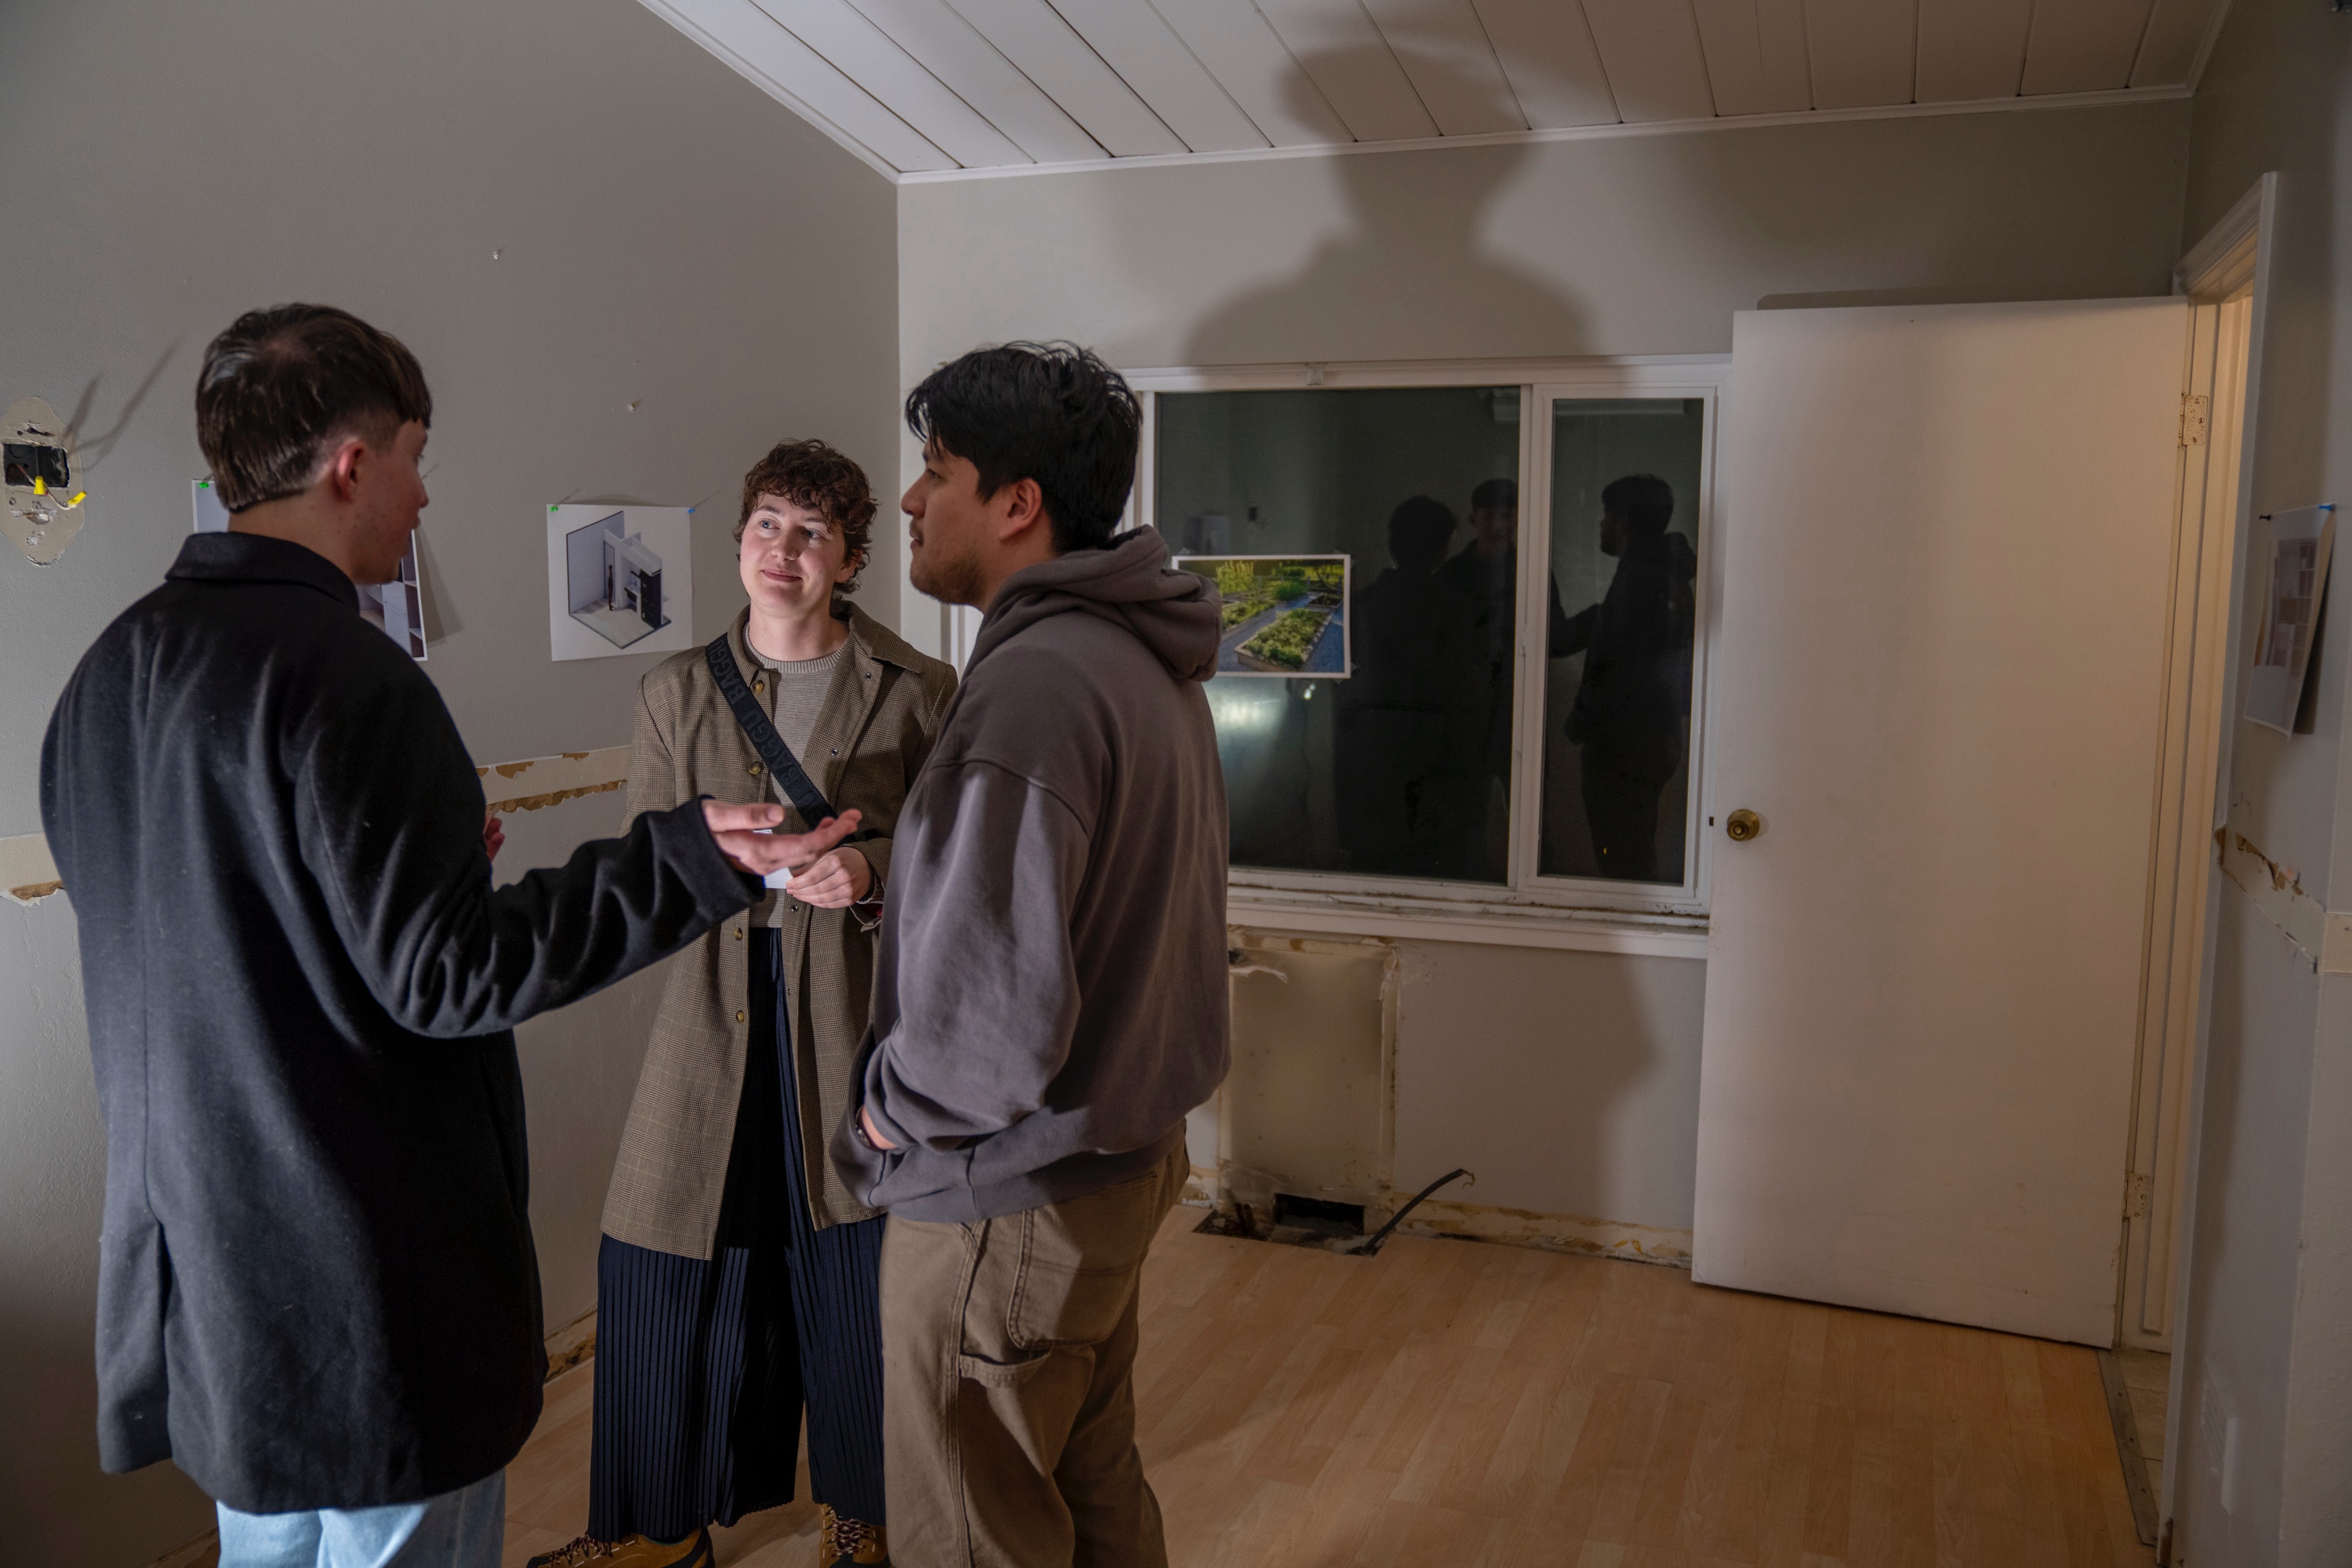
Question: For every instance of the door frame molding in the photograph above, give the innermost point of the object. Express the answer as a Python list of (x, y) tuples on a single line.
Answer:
[(2198, 686), (2233, 258)]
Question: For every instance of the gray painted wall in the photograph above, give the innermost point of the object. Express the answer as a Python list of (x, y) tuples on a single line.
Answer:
[(2270, 1286), (668, 236), (1618, 245), (1574, 1076)]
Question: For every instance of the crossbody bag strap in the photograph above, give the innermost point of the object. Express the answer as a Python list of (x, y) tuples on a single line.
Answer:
[(799, 788)]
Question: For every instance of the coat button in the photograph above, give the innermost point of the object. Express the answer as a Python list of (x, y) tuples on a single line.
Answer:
[(759, 686), (738, 933), (755, 767), (739, 1015)]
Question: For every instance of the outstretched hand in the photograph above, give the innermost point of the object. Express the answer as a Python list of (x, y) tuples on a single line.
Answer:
[(835, 882), (736, 829)]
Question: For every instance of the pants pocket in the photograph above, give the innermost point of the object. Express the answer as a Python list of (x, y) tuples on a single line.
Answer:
[(1000, 1374), (1080, 1261)]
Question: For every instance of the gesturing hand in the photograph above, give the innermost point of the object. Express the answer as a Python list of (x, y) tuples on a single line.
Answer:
[(493, 837), (734, 829), (833, 881)]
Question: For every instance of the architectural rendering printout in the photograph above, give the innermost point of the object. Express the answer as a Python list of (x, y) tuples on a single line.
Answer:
[(1284, 614), (397, 607), (2301, 543), (620, 579)]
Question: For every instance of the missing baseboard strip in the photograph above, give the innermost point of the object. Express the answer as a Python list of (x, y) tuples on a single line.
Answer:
[(1552, 1232), (203, 1551), (572, 1344), (2127, 1450)]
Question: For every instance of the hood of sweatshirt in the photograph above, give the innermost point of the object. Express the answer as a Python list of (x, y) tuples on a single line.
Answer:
[(1127, 581)]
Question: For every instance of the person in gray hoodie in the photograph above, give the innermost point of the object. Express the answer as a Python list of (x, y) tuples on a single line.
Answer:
[(1050, 989)]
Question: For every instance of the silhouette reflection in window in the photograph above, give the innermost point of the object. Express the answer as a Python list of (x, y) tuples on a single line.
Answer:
[(1487, 571), (1409, 778), (1631, 716), (1295, 471)]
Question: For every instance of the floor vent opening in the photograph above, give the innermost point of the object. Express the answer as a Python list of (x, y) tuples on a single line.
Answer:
[(1295, 1221)]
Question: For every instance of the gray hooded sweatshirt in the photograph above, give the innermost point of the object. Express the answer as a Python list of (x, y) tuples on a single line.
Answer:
[(1050, 990)]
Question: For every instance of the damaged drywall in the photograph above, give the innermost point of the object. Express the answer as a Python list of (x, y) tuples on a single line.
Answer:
[(28, 873), (2322, 936), (567, 775), (1307, 1109)]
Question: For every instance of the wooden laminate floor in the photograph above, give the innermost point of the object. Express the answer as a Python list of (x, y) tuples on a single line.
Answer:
[(1458, 1404)]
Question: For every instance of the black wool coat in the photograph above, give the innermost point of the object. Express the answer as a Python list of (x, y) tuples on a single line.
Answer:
[(317, 1286)]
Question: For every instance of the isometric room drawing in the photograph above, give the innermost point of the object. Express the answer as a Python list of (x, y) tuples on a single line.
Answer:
[(615, 581)]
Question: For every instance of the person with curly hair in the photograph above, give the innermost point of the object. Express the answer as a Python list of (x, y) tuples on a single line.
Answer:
[(738, 1279)]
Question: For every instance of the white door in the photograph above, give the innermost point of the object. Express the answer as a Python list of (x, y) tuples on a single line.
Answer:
[(1947, 571)]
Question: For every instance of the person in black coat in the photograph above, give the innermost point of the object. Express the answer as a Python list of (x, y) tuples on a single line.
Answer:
[(318, 1293)]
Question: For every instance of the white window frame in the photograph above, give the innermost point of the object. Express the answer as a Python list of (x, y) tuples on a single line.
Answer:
[(1530, 909)]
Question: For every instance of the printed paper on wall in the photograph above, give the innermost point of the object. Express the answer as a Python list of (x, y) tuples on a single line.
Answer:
[(620, 580)]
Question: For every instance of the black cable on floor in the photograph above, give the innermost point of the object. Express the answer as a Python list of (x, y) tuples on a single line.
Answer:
[(1374, 1246)]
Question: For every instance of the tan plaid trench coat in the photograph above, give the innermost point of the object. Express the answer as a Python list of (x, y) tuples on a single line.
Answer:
[(879, 720)]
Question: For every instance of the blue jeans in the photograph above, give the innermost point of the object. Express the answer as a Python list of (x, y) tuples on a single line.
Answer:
[(464, 1529)]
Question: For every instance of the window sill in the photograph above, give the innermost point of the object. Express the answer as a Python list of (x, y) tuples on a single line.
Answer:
[(1425, 918)]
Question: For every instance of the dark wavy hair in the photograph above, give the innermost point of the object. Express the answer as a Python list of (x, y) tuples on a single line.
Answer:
[(820, 478), (281, 385), (1049, 412)]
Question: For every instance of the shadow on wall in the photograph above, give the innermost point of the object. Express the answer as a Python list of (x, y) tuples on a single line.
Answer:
[(53, 1506), (1415, 259), (1521, 1083), (146, 1513)]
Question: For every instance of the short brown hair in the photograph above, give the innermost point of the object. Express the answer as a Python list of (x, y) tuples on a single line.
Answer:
[(817, 476), (283, 382)]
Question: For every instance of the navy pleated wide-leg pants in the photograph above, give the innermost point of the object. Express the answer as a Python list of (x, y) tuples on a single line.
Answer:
[(703, 1368)]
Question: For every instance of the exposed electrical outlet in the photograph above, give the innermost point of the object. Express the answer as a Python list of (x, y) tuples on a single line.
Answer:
[(42, 461)]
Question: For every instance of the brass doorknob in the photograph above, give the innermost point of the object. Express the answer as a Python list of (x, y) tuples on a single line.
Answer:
[(1743, 824)]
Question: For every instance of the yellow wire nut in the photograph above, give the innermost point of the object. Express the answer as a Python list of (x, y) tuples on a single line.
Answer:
[(79, 497), (40, 485)]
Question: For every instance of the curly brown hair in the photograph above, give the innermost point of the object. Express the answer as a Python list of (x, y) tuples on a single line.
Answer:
[(820, 478)]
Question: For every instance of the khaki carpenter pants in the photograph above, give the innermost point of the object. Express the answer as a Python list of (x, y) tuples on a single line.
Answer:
[(1008, 1380)]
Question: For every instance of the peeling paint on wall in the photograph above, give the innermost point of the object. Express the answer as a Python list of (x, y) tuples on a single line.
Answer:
[(2322, 935), (28, 873), (567, 775)]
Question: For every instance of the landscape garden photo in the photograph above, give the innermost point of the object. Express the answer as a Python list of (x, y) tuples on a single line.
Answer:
[(1284, 614)]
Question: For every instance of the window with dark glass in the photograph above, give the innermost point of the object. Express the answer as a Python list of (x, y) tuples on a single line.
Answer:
[(1366, 541), (1622, 638)]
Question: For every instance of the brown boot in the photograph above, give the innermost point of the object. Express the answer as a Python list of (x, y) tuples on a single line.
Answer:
[(845, 1542), (630, 1551)]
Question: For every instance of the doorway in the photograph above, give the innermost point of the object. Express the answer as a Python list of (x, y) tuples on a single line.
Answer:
[(1867, 568)]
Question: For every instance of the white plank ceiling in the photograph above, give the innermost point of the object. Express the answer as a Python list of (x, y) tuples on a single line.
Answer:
[(934, 88)]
